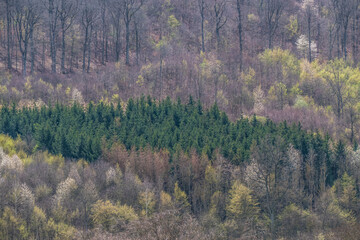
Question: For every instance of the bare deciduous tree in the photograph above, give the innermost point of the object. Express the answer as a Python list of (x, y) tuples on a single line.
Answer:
[(129, 9), (270, 12), (25, 19), (67, 13)]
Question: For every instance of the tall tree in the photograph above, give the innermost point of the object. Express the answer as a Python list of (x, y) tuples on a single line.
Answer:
[(25, 19), (343, 10), (104, 30), (270, 12), (269, 174), (308, 7), (53, 15), (67, 14), (115, 11), (201, 4), (220, 19), (9, 6), (240, 30), (342, 80), (88, 19), (129, 9)]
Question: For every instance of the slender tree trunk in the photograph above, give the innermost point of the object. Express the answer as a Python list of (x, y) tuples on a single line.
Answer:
[(127, 35), (137, 43), (117, 42), (16, 57), (89, 49), (24, 59), (309, 33), (43, 53), (338, 42), (352, 121), (240, 33), (63, 47), (353, 38), (52, 32), (8, 25), (344, 48), (330, 42), (96, 43), (72, 52), (270, 36), (104, 35), (23, 45), (32, 50), (218, 39), (85, 47), (202, 14), (106, 48), (318, 38), (160, 75)]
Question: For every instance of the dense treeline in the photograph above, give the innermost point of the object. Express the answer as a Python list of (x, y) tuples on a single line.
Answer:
[(76, 132), (306, 70), (64, 35), (278, 193), (100, 165)]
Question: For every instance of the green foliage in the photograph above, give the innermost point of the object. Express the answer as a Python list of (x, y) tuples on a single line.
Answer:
[(12, 227), (60, 231), (294, 220), (345, 190), (8, 144), (107, 215), (147, 202), (293, 26), (181, 200), (300, 102), (281, 62), (72, 132), (242, 205), (344, 82)]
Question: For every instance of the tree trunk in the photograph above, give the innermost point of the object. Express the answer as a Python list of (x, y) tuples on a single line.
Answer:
[(96, 43), (72, 52), (52, 33), (338, 42), (32, 50), (104, 35), (16, 57), (160, 75), (270, 36), (218, 40), (240, 33), (89, 49), (24, 58), (137, 43), (202, 8), (309, 32), (106, 48), (63, 47), (117, 43), (346, 23), (43, 53), (352, 122), (8, 25), (85, 47), (127, 35), (330, 42), (354, 39)]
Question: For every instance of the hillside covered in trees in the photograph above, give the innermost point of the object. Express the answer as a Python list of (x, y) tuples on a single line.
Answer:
[(249, 129), (135, 170), (284, 59)]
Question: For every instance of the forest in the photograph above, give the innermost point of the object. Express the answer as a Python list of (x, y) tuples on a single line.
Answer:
[(179, 119)]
